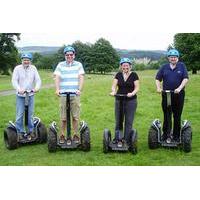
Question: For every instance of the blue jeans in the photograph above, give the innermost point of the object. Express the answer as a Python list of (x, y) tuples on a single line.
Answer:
[(20, 108)]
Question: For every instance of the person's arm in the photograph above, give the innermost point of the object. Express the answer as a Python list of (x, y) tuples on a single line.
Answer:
[(136, 89), (158, 86), (38, 81), (57, 75), (80, 84), (114, 87), (57, 84), (184, 81), (181, 86), (15, 80)]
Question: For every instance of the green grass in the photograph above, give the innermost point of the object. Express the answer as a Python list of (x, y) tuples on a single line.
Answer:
[(97, 108)]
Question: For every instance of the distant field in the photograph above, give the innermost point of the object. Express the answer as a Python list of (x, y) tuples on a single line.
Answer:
[(97, 108)]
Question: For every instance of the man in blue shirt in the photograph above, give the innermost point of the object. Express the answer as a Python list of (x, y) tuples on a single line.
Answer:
[(174, 76)]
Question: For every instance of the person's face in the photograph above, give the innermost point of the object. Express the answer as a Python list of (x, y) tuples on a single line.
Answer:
[(69, 56), (26, 62), (126, 67), (173, 59)]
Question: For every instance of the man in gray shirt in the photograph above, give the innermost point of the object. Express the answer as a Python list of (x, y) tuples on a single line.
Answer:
[(25, 78)]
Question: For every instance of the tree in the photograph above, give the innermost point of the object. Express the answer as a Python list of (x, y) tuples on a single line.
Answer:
[(46, 62), (189, 46), (36, 57), (83, 54), (104, 57), (8, 52)]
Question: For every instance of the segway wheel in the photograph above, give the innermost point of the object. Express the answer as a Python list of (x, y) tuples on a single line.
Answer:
[(133, 143), (42, 133), (153, 138), (187, 139), (10, 138), (85, 139), (106, 140), (52, 141)]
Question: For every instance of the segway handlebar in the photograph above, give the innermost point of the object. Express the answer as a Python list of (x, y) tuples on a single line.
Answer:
[(67, 93), (167, 91), (121, 95), (27, 91)]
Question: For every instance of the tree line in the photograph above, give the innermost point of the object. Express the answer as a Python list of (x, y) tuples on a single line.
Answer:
[(99, 57)]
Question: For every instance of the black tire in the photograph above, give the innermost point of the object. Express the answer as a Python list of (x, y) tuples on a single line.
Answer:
[(42, 133), (106, 140), (85, 139), (52, 141), (153, 138), (10, 138), (186, 138), (133, 142)]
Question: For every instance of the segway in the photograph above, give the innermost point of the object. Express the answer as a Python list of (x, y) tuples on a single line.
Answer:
[(119, 144), (12, 139), (84, 131), (155, 136)]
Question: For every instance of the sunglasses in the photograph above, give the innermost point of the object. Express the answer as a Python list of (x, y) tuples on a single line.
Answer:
[(70, 54)]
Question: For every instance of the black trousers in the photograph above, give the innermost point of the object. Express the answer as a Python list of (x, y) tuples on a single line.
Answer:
[(177, 102), (124, 111)]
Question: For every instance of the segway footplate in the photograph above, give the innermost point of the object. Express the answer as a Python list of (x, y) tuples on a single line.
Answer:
[(64, 145), (114, 147)]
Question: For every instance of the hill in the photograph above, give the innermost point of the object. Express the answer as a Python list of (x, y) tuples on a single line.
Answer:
[(49, 50)]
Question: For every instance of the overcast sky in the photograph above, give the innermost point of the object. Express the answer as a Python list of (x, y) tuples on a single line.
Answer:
[(127, 24), (122, 40)]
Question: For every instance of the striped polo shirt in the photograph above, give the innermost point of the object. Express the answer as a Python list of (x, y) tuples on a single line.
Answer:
[(68, 73)]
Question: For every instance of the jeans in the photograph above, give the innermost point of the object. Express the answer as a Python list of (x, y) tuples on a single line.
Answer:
[(20, 109), (177, 102), (124, 109)]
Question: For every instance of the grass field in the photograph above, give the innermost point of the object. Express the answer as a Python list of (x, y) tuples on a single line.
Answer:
[(97, 108)]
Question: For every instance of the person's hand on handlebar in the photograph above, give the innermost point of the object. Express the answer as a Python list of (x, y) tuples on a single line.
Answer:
[(177, 90), (78, 92), (113, 93), (21, 91), (159, 90), (35, 90), (130, 94)]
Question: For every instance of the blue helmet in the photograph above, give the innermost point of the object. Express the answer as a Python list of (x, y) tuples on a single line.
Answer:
[(173, 52), (68, 49), (125, 60), (27, 55)]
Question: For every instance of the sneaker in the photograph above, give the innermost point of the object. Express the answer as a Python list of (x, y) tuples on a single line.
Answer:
[(114, 141), (32, 134), (20, 136), (76, 139), (62, 139), (119, 144), (168, 140), (69, 141)]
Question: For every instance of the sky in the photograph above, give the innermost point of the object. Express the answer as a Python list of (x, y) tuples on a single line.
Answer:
[(127, 24), (122, 40)]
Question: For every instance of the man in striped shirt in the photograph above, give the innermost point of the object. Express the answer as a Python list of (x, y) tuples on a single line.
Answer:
[(69, 77)]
